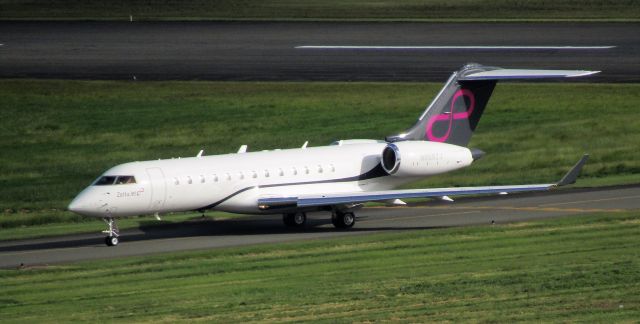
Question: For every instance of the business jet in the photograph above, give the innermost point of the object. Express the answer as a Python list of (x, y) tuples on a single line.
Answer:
[(337, 178)]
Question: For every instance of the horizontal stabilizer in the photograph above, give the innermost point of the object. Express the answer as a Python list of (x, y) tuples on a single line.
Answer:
[(512, 74)]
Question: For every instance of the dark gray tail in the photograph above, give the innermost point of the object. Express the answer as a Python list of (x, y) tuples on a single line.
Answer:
[(455, 112)]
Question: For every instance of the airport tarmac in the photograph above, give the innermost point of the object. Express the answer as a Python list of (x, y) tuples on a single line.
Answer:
[(276, 50), (251, 230)]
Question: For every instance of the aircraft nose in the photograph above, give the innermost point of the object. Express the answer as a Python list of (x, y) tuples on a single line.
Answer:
[(79, 205)]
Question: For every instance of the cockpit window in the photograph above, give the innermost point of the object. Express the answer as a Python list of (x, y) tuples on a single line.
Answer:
[(125, 180), (105, 181), (111, 180)]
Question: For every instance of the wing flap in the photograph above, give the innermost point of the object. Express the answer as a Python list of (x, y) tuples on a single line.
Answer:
[(371, 196), (330, 199), (360, 197)]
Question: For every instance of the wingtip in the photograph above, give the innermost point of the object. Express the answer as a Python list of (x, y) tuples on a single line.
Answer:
[(572, 175), (584, 73)]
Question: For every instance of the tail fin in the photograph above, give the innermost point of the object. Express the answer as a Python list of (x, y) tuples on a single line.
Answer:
[(455, 112)]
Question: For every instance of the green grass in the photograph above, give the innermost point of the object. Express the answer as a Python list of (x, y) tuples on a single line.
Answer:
[(579, 269), (57, 136), (437, 10)]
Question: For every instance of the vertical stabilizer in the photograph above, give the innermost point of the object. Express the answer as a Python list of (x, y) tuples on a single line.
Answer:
[(455, 112), (453, 115)]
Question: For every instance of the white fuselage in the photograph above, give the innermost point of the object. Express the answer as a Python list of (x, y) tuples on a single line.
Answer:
[(235, 182)]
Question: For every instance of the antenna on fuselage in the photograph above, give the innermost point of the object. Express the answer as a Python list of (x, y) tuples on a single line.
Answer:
[(304, 146), (242, 149), (200, 153)]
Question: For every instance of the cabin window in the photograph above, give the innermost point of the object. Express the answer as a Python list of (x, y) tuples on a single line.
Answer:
[(294, 171), (280, 172), (215, 178), (333, 168), (176, 181), (254, 174), (125, 180), (319, 168), (306, 170), (105, 181), (118, 180), (201, 179), (240, 175), (189, 181), (266, 173), (228, 176)]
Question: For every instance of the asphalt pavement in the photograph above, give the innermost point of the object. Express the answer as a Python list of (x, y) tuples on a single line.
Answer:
[(291, 51), (251, 230), (276, 50)]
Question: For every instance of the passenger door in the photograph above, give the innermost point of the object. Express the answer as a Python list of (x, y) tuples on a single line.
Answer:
[(158, 188)]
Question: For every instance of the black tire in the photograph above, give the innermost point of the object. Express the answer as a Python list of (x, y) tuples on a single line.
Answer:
[(294, 219), (111, 240), (299, 219), (343, 220), (287, 219), (334, 221)]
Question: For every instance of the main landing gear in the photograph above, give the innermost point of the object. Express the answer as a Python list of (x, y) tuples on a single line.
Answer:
[(294, 219), (112, 232), (343, 219), (340, 219)]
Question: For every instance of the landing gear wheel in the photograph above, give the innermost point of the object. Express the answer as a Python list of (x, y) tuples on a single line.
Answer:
[(112, 232), (294, 219), (111, 241), (343, 220)]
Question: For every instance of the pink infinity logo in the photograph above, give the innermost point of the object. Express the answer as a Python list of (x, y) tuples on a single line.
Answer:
[(451, 116)]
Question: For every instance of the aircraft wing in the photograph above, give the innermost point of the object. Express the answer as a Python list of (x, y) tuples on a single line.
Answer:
[(330, 199)]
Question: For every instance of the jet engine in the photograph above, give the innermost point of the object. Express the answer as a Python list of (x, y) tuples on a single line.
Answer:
[(422, 158)]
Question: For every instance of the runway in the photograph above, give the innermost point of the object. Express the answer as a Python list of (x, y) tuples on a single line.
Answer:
[(195, 235), (302, 50)]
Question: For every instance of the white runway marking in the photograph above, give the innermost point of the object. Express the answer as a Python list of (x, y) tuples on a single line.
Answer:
[(455, 47), (418, 216), (591, 200)]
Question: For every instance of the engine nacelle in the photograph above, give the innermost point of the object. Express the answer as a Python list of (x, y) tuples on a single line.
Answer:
[(422, 158)]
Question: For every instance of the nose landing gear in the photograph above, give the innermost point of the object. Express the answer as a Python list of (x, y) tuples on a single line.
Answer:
[(112, 232)]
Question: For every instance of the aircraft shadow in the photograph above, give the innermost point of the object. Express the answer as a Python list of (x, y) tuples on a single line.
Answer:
[(195, 228), (251, 225)]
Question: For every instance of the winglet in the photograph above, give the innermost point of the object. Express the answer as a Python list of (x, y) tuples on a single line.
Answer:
[(572, 175)]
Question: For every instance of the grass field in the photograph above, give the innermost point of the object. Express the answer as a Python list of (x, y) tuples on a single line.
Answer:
[(57, 136), (439, 10), (578, 269)]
